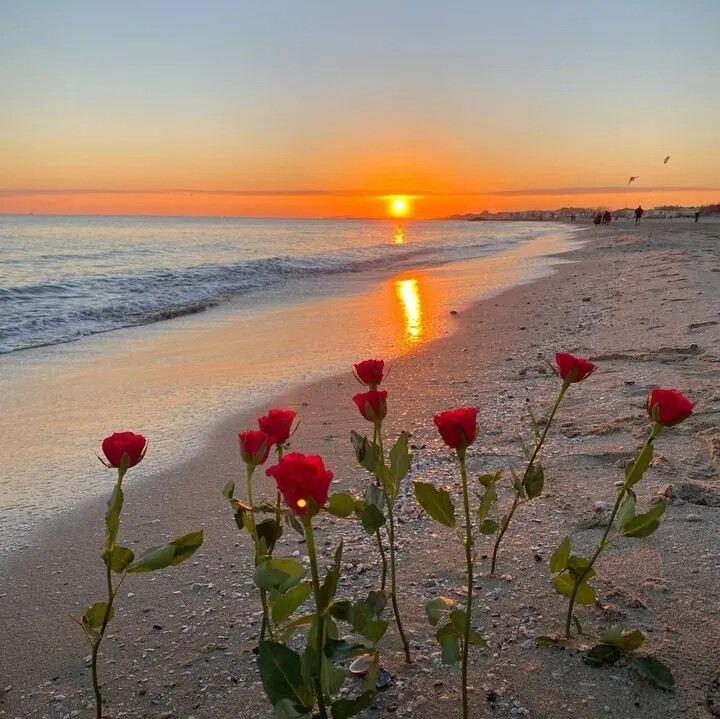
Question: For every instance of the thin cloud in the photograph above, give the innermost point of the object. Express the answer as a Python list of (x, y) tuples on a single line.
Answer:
[(312, 192), (606, 190), (184, 191)]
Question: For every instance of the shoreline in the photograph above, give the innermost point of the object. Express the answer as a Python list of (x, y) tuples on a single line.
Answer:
[(215, 597), (220, 427), (258, 297), (161, 378)]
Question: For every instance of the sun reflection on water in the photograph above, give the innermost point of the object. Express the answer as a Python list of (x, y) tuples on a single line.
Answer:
[(408, 293), (399, 236)]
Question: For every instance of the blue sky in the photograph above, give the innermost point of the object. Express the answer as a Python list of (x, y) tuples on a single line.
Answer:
[(243, 95)]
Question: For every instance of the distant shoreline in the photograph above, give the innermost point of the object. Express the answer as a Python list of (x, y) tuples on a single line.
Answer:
[(530, 215)]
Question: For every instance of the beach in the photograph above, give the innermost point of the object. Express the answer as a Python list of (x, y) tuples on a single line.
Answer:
[(87, 300), (640, 303)]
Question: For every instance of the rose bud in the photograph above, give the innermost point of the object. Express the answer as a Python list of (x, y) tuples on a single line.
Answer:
[(372, 404), (572, 368), (668, 406), (457, 427), (301, 478), (117, 445), (277, 425), (369, 372), (254, 446)]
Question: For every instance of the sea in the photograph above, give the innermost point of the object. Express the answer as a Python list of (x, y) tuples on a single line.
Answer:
[(167, 325), (65, 278)]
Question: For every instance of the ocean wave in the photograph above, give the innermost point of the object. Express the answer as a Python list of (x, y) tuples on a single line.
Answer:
[(63, 309)]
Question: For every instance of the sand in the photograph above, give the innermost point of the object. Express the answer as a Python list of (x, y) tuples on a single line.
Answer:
[(643, 304)]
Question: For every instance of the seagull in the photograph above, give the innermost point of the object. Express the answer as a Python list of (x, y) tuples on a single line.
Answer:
[(665, 161), (633, 178)]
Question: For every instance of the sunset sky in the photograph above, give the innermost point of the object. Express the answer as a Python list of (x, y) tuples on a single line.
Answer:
[(322, 108)]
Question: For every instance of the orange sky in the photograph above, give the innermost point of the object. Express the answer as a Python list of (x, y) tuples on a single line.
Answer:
[(319, 109), (324, 205)]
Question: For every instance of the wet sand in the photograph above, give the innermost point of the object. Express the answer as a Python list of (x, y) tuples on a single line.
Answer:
[(173, 381), (642, 304)]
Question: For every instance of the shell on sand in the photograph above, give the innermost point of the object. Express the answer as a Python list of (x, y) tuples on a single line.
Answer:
[(361, 665)]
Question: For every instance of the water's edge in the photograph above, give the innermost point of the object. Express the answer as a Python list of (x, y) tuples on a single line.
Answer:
[(231, 415)]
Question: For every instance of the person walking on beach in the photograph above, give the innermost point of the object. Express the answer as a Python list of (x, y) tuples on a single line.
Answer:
[(607, 217), (697, 215), (638, 213), (597, 219)]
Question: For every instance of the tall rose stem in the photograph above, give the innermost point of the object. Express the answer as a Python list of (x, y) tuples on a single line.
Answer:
[(278, 498), (391, 537), (320, 612), (109, 545), (265, 627), (603, 542), (503, 528), (383, 558), (378, 536), (538, 446), (469, 571), (393, 588), (96, 644)]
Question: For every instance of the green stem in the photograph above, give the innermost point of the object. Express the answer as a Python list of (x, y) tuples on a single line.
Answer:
[(378, 536), (469, 570), (265, 627), (109, 545), (278, 498), (320, 613), (593, 559), (554, 409), (391, 538), (538, 446), (383, 578), (393, 588), (503, 528), (96, 645), (604, 541)]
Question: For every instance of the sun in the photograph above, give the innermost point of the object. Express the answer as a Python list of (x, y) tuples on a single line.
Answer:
[(399, 206)]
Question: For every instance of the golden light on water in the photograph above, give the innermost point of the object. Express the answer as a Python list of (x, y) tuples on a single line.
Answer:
[(408, 293), (399, 236)]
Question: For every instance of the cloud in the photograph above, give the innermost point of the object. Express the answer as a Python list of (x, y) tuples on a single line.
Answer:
[(17, 192), (605, 190), (313, 192)]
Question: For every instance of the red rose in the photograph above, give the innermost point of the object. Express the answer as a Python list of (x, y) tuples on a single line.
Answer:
[(668, 406), (457, 427), (254, 446), (370, 372), (277, 424), (300, 478), (119, 444), (372, 404), (580, 367)]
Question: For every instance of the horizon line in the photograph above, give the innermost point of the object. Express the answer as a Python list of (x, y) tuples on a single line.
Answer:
[(379, 218)]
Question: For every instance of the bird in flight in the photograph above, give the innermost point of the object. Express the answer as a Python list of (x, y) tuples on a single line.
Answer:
[(665, 161), (633, 178)]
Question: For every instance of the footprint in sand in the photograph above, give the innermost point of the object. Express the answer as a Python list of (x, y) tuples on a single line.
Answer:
[(693, 493), (713, 697)]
